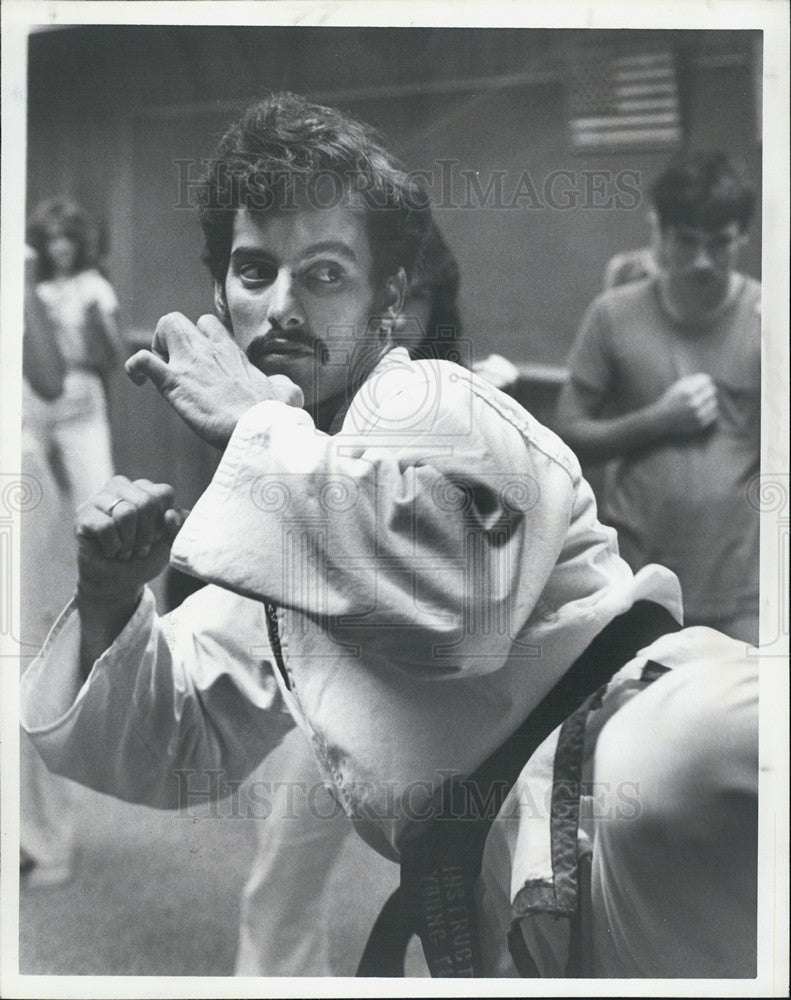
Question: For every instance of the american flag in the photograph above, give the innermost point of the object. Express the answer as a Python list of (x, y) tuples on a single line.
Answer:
[(623, 100)]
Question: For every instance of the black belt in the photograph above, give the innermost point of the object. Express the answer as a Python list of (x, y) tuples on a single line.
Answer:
[(439, 867)]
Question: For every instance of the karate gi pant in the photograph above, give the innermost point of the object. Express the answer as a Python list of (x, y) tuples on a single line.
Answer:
[(315, 888)]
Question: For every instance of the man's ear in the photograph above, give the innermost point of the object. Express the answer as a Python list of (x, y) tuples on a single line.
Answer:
[(220, 305), (394, 294), (655, 237), (654, 226)]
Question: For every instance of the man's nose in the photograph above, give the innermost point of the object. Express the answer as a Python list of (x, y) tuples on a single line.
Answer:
[(284, 308), (703, 260)]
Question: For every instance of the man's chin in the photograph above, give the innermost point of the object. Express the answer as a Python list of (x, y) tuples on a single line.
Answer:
[(705, 288)]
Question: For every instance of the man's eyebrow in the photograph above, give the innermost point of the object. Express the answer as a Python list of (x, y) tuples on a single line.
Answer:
[(323, 246), (250, 251), (330, 246)]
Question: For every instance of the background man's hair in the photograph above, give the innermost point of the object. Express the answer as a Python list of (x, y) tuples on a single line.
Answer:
[(285, 151), (436, 277), (55, 217), (704, 190)]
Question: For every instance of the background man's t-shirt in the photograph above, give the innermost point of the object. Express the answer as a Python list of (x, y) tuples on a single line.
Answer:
[(684, 504)]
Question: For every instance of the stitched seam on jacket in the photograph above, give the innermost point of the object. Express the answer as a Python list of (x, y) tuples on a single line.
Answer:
[(522, 425)]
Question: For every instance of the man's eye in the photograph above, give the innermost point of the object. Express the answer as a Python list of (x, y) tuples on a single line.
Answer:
[(326, 274), (257, 273)]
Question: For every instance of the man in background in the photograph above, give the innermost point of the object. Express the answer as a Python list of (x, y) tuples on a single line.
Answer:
[(665, 381)]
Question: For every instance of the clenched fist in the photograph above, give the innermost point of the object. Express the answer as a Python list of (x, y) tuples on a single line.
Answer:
[(124, 535), (689, 406)]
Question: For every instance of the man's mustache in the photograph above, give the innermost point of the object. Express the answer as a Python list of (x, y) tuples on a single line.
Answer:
[(702, 273), (260, 347)]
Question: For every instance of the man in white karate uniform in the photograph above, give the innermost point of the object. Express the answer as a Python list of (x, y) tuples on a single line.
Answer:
[(405, 564)]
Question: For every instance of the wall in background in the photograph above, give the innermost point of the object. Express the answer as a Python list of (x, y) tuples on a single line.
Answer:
[(117, 115)]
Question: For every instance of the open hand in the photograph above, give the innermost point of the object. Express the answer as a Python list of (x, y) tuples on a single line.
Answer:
[(205, 377)]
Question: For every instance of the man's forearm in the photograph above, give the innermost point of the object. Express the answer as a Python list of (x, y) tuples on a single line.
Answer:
[(101, 622), (596, 439)]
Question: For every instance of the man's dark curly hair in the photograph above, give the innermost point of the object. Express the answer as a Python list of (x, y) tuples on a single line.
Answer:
[(59, 216), (705, 190), (436, 277), (284, 152)]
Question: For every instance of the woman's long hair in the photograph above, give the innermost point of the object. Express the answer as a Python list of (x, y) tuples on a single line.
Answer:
[(54, 217)]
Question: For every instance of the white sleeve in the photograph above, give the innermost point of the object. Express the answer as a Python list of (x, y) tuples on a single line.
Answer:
[(99, 290), (170, 701), (449, 532)]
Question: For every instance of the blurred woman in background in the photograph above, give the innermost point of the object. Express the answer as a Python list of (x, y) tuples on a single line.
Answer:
[(82, 310), (429, 325), (47, 579)]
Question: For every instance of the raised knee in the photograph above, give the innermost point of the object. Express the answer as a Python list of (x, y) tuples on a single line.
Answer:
[(686, 748)]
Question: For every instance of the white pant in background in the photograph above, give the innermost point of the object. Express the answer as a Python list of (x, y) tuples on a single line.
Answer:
[(316, 888), (47, 578), (78, 427)]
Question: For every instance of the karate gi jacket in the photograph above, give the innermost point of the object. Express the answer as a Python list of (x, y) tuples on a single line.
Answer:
[(434, 568)]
